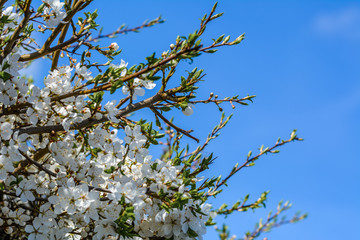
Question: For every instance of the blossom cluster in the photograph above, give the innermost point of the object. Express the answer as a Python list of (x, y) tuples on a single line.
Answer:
[(87, 181), (76, 165), (54, 12), (81, 198)]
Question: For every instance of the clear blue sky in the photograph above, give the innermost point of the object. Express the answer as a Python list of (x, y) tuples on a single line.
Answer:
[(301, 59)]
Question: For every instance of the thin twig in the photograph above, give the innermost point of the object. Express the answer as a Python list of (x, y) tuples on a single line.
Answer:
[(250, 160), (186, 133), (160, 96), (38, 165), (41, 53), (56, 54), (14, 37), (121, 31)]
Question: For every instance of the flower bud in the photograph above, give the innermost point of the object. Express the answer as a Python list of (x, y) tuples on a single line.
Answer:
[(5, 210), (114, 46), (188, 110), (8, 230)]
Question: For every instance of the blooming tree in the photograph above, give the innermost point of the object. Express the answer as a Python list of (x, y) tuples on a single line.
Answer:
[(65, 172)]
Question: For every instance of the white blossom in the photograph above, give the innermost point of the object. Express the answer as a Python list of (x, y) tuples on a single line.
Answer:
[(73, 183), (114, 46), (83, 72), (188, 110), (6, 130), (123, 65), (110, 107), (53, 12), (137, 88), (24, 190), (58, 81)]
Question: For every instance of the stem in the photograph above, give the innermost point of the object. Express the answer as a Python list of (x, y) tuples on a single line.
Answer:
[(56, 54), (14, 37), (46, 49), (186, 133), (2, 2), (249, 160), (38, 165), (41, 53)]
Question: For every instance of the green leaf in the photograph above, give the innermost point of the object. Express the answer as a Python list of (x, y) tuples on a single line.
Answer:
[(165, 109), (5, 76), (110, 170)]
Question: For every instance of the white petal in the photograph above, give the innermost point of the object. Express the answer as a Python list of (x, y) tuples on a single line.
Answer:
[(139, 91), (29, 228), (30, 196), (188, 110)]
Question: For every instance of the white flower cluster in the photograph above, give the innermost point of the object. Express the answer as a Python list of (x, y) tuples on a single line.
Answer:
[(11, 23), (73, 205), (12, 88), (87, 181), (53, 12), (137, 87)]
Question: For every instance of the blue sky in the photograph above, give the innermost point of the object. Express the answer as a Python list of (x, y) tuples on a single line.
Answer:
[(301, 59)]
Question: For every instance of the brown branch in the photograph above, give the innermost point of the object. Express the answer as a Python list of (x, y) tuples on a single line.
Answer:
[(68, 17), (105, 86), (250, 160), (272, 221), (56, 54), (46, 49), (41, 53), (38, 165), (204, 23), (39, 154), (126, 30), (122, 102), (143, 71), (126, 78), (14, 37), (2, 2), (214, 134), (186, 133), (99, 189), (6, 192), (123, 31), (92, 121), (227, 99)]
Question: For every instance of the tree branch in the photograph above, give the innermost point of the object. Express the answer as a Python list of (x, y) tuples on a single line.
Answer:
[(14, 37), (41, 53), (38, 165), (92, 121), (186, 133), (122, 30), (251, 160), (56, 54)]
